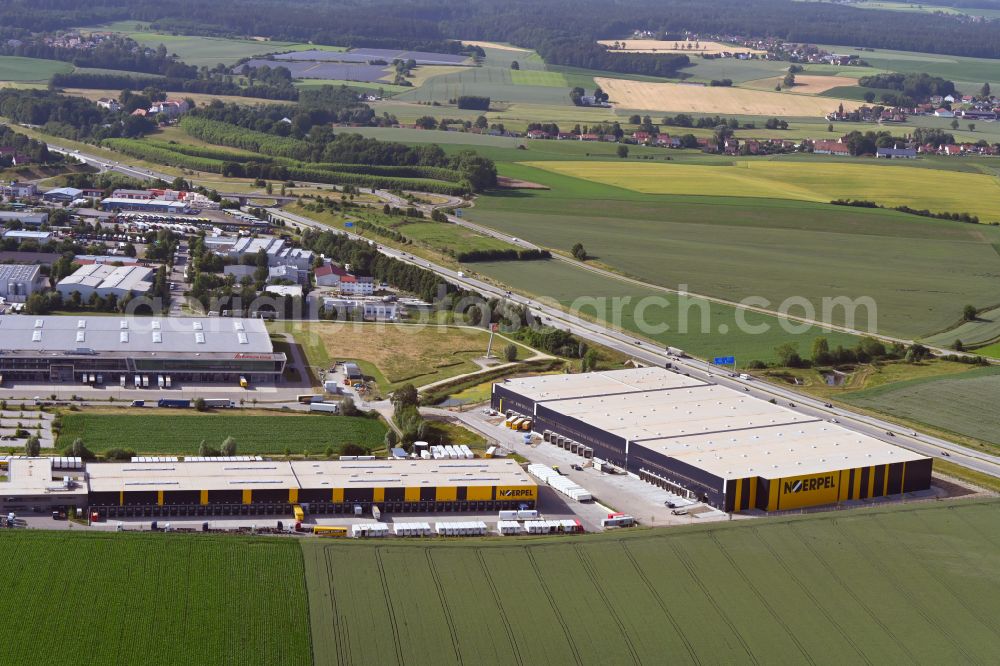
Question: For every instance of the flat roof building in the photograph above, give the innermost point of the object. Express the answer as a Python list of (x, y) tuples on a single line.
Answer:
[(128, 349), (25, 217), (710, 442), (265, 487), (18, 281), (106, 280), (148, 205)]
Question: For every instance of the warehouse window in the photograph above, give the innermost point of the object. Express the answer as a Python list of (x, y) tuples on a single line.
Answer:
[(157, 336), (36, 336), (123, 337), (123, 325), (82, 323), (242, 337), (156, 325), (81, 336), (199, 338)]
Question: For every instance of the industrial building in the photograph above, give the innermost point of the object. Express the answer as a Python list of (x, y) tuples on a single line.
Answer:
[(28, 218), (236, 486), (710, 443), (105, 280), (136, 351), (146, 205), (18, 281)]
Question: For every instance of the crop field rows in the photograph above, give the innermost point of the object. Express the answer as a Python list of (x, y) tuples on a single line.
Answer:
[(106, 598), (725, 247), (860, 586), (964, 404), (183, 433)]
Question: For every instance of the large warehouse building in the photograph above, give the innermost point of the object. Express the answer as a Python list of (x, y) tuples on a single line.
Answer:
[(237, 486), (711, 443), (136, 351)]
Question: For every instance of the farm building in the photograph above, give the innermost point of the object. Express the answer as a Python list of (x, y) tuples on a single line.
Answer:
[(133, 349), (711, 443), (27, 218), (321, 487)]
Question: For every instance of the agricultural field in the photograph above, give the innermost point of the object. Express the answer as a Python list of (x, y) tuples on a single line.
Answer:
[(967, 73), (963, 404), (985, 329), (701, 328), (201, 50), (773, 245), (649, 96), (807, 84), (822, 182), (27, 70), (153, 597), (396, 354), (666, 46), (182, 431), (915, 582)]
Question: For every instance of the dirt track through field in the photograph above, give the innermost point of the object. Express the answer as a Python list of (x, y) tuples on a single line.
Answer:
[(644, 96)]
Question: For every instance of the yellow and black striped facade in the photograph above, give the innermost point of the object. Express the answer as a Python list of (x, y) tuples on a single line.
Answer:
[(843, 485), (279, 501)]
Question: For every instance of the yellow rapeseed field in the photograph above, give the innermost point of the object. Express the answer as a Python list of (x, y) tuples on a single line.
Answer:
[(933, 189)]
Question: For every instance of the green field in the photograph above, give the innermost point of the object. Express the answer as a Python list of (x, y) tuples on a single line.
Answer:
[(823, 181), (373, 86), (106, 598), (985, 329), (15, 68), (595, 296), (201, 50), (964, 404), (967, 73), (913, 584), (918, 271), (180, 432)]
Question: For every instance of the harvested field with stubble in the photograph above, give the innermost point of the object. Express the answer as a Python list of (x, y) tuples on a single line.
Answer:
[(909, 582), (681, 97), (681, 46), (805, 84)]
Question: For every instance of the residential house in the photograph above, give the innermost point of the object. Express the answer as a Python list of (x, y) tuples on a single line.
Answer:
[(830, 148), (110, 104), (951, 149), (537, 134), (944, 113)]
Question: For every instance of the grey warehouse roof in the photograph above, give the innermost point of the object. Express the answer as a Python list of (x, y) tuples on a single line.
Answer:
[(135, 334)]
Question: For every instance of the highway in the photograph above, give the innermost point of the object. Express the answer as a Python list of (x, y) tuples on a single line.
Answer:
[(643, 351)]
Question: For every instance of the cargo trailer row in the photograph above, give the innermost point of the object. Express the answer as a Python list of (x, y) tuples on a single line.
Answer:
[(461, 528), (412, 529), (559, 483), (519, 514), (509, 528), (450, 452), (517, 422), (552, 526), (369, 530)]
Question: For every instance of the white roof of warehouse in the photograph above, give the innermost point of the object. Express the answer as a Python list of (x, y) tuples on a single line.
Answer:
[(104, 276), (134, 334), (561, 387), (723, 431), (232, 475), (782, 451)]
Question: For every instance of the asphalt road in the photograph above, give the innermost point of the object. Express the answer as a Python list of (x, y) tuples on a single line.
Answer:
[(878, 428)]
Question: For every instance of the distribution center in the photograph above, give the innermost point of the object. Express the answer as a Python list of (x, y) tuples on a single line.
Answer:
[(129, 350), (711, 443), (236, 486)]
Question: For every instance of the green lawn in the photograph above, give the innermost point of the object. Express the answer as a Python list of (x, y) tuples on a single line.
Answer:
[(164, 431), (959, 69), (919, 272), (964, 404), (15, 68), (910, 583), (106, 598)]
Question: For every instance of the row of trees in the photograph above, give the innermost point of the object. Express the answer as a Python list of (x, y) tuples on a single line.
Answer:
[(113, 52), (918, 87), (69, 117)]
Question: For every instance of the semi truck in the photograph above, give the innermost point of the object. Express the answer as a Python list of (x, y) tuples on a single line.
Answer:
[(219, 403), (178, 404)]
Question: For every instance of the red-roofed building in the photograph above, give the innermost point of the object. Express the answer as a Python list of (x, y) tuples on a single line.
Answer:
[(830, 148)]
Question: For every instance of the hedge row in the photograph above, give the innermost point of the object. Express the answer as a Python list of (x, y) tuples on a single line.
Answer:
[(226, 134), (145, 151)]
